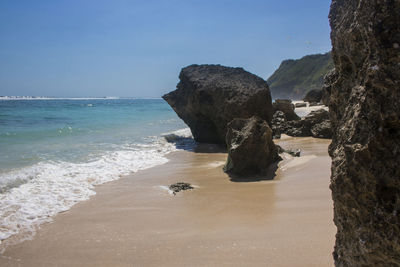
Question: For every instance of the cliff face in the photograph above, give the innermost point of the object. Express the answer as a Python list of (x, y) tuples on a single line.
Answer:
[(294, 78), (365, 115)]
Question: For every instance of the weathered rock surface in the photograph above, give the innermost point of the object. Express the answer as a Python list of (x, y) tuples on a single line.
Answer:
[(297, 129), (278, 124), (313, 96), (365, 115), (322, 130), (329, 78), (208, 97), (316, 116), (315, 124), (251, 150), (287, 107)]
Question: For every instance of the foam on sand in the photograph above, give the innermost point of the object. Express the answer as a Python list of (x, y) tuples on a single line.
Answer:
[(282, 222), (32, 195)]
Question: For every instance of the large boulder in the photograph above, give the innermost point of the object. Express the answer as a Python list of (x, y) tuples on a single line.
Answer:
[(365, 115), (208, 97), (250, 147), (287, 107), (313, 96)]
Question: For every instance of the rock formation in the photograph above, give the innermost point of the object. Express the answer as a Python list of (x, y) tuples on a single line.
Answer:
[(315, 124), (250, 147), (278, 124), (208, 97), (313, 96), (287, 107), (365, 115), (326, 89), (322, 130)]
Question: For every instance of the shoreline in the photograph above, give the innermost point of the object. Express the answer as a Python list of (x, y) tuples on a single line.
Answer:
[(133, 220)]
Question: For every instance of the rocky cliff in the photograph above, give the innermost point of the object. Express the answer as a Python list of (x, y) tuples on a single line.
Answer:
[(365, 115), (294, 78)]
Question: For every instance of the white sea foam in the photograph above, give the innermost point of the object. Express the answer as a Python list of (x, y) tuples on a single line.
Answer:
[(166, 188), (34, 194), (181, 138), (179, 133)]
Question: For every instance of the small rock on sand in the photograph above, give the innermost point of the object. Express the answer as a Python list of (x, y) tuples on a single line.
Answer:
[(180, 186)]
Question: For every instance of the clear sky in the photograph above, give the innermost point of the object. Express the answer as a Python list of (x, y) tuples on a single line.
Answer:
[(137, 48)]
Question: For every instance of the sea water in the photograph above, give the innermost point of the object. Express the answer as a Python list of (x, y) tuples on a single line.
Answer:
[(54, 151)]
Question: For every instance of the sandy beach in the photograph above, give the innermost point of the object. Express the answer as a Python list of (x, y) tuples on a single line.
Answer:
[(134, 221)]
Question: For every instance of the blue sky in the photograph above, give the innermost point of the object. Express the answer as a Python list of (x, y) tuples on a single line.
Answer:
[(137, 48)]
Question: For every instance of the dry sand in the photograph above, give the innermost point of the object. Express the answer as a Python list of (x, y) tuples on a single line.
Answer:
[(134, 222)]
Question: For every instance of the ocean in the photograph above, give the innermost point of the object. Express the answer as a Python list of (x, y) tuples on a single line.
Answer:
[(54, 151)]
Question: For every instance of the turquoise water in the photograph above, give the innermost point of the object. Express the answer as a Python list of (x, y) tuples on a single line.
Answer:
[(54, 151), (77, 130)]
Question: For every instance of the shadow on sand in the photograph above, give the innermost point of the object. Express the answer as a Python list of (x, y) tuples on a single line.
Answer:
[(189, 144), (270, 175)]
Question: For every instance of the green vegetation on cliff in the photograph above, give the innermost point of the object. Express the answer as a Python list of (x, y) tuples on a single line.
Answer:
[(294, 78)]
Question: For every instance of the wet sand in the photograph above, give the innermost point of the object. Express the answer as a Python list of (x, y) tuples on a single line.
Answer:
[(134, 222)]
